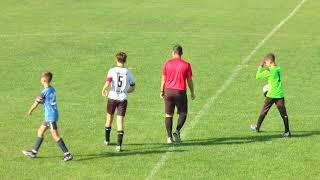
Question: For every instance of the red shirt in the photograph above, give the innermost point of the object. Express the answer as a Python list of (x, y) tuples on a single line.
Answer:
[(176, 71)]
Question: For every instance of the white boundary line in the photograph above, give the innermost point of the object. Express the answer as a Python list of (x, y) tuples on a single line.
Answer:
[(212, 99), (110, 33)]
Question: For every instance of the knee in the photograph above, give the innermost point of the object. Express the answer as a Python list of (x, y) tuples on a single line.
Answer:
[(55, 135), (280, 106), (40, 133), (183, 116), (169, 115), (263, 114)]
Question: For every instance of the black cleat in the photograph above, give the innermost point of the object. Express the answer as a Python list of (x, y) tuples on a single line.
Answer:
[(68, 157), (176, 136), (286, 134)]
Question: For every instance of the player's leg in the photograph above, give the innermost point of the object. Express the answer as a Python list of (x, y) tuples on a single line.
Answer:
[(265, 109), (283, 112), (42, 129), (182, 105), (56, 136), (111, 107), (169, 110), (122, 109)]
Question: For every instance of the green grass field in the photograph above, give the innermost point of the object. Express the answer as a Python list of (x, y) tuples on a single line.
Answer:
[(77, 40)]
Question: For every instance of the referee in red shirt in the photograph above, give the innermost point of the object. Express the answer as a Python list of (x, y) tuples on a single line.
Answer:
[(175, 73)]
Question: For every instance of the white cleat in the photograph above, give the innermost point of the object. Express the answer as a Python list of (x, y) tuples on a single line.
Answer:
[(107, 143), (29, 153), (170, 141), (118, 148)]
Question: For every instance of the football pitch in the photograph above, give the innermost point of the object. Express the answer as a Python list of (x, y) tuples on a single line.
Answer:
[(223, 40)]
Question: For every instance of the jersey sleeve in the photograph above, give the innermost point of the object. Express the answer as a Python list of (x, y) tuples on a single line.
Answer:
[(262, 73), (109, 76), (132, 81), (189, 72), (41, 97)]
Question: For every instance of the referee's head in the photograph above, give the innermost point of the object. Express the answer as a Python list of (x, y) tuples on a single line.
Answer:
[(177, 50)]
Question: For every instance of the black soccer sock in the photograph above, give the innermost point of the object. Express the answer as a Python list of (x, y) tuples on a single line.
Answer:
[(108, 131), (36, 147), (120, 138), (168, 122), (63, 147), (283, 113), (181, 120), (284, 116), (286, 123)]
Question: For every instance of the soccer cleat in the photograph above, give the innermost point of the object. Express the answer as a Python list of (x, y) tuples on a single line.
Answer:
[(253, 127), (170, 141), (286, 134), (176, 136), (68, 157), (29, 153), (107, 143), (118, 148)]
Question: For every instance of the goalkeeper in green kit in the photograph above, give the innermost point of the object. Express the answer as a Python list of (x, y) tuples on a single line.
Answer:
[(275, 95)]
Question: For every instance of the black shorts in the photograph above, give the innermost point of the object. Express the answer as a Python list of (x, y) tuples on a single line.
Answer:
[(121, 107), (175, 98), (279, 102), (51, 125)]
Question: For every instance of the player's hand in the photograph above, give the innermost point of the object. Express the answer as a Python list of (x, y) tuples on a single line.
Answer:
[(162, 95), (193, 96), (262, 62), (29, 113), (104, 93)]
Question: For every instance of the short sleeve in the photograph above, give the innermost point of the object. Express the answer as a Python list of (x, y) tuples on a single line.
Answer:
[(40, 98), (109, 76), (164, 71), (132, 81), (189, 72)]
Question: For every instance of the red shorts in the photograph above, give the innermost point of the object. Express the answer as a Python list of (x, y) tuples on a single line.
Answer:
[(121, 107)]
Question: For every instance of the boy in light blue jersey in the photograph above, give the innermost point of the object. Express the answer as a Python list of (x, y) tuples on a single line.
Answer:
[(49, 99)]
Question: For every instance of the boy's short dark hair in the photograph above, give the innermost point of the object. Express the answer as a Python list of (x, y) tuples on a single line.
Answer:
[(47, 75), (177, 49), (121, 57), (271, 56)]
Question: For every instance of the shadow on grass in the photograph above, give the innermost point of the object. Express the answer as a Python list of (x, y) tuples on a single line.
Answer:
[(246, 139), (193, 142), (236, 140), (86, 157)]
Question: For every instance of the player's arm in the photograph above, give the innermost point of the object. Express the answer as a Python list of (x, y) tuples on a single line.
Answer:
[(132, 83), (104, 90), (190, 82), (39, 100), (191, 87), (131, 88), (163, 80), (33, 107), (262, 73)]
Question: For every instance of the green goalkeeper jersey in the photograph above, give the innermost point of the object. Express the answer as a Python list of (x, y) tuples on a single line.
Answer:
[(274, 75)]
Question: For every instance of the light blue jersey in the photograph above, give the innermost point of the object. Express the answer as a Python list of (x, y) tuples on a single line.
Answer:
[(49, 100)]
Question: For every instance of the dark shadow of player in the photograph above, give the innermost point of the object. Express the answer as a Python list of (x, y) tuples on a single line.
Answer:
[(86, 157), (261, 137)]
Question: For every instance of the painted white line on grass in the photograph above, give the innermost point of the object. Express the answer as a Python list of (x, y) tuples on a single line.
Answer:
[(110, 33), (212, 99)]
